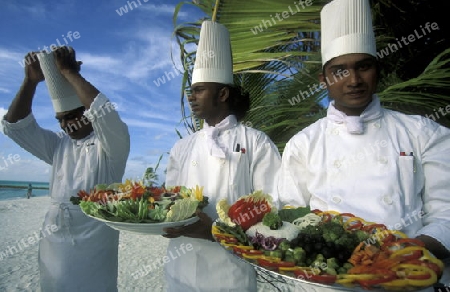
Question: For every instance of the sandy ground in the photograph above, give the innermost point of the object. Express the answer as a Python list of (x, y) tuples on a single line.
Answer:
[(22, 218)]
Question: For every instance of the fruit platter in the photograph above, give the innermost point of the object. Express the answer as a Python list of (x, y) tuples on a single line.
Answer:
[(134, 207), (328, 249)]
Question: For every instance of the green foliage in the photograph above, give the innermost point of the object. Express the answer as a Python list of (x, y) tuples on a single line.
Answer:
[(282, 60), (272, 220), (150, 177)]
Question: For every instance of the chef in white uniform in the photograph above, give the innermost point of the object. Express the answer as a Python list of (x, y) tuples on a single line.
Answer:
[(80, 254), (227, 158), (381, 165)]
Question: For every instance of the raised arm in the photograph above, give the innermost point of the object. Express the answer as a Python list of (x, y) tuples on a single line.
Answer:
[(21, 105), (20, 125)]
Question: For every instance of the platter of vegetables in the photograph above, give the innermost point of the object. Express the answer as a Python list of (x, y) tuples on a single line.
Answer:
[(132, 206), (336, 250)]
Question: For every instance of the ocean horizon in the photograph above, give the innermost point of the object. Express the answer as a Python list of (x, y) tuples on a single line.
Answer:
[(10, 190)]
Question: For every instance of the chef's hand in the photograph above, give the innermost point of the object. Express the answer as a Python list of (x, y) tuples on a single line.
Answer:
[(66, 60), (434, 246), (199, 229), (33, 72)]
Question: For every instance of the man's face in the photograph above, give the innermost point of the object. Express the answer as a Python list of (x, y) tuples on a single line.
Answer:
[(74, 123), (206, 100), (351, 81)]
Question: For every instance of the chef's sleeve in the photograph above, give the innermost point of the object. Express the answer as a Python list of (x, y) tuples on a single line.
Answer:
[(265, 164), (289, 183), (31, 137), (436, 193), (111, 131)]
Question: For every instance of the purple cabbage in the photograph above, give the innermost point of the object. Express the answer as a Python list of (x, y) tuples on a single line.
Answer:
[(268, 243)]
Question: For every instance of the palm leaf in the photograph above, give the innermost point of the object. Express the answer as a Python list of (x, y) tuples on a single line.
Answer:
[(261, 44), (276, 61)]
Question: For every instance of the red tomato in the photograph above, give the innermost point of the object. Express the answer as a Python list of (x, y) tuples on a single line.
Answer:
[(248, 213)]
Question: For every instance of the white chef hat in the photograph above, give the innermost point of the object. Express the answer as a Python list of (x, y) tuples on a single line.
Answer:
[(213, 62), (62, 93), (346, 28)]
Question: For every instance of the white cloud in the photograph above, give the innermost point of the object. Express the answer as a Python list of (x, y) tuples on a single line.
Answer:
[(147, 125), (162, 9), (2, 111), (100, 62), (24, 169)]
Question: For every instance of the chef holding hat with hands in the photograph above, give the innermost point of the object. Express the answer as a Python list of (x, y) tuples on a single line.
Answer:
[(80, 254)]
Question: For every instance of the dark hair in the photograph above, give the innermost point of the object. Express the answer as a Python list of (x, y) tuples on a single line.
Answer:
[(238, 101)]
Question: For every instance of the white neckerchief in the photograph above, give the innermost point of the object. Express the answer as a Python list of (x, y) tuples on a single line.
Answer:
[(217, 149), (355, 124)]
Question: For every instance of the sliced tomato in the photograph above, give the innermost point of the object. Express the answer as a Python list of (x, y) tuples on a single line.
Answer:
[(248, 213)]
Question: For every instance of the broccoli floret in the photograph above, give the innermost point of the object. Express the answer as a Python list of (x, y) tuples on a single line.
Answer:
[(311, 231), (272, 220), (289, 255), (299, 254), (284, 245), (332, 231), (276, 253), (332, 263), (319, 262), (361, 235)]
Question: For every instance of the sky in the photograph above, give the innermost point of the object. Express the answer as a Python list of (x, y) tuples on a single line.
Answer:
[(125, 47)]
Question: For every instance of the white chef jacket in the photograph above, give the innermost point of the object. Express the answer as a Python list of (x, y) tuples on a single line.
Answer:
[(208, 267), (82, 254), (328, 168)]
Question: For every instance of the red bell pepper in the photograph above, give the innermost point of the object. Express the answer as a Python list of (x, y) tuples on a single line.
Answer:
[(247, 212)]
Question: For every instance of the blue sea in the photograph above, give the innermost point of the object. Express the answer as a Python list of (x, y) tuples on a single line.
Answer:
[(19, 189)]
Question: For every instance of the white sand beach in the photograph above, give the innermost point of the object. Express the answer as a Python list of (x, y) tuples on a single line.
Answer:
[(22, 219)]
